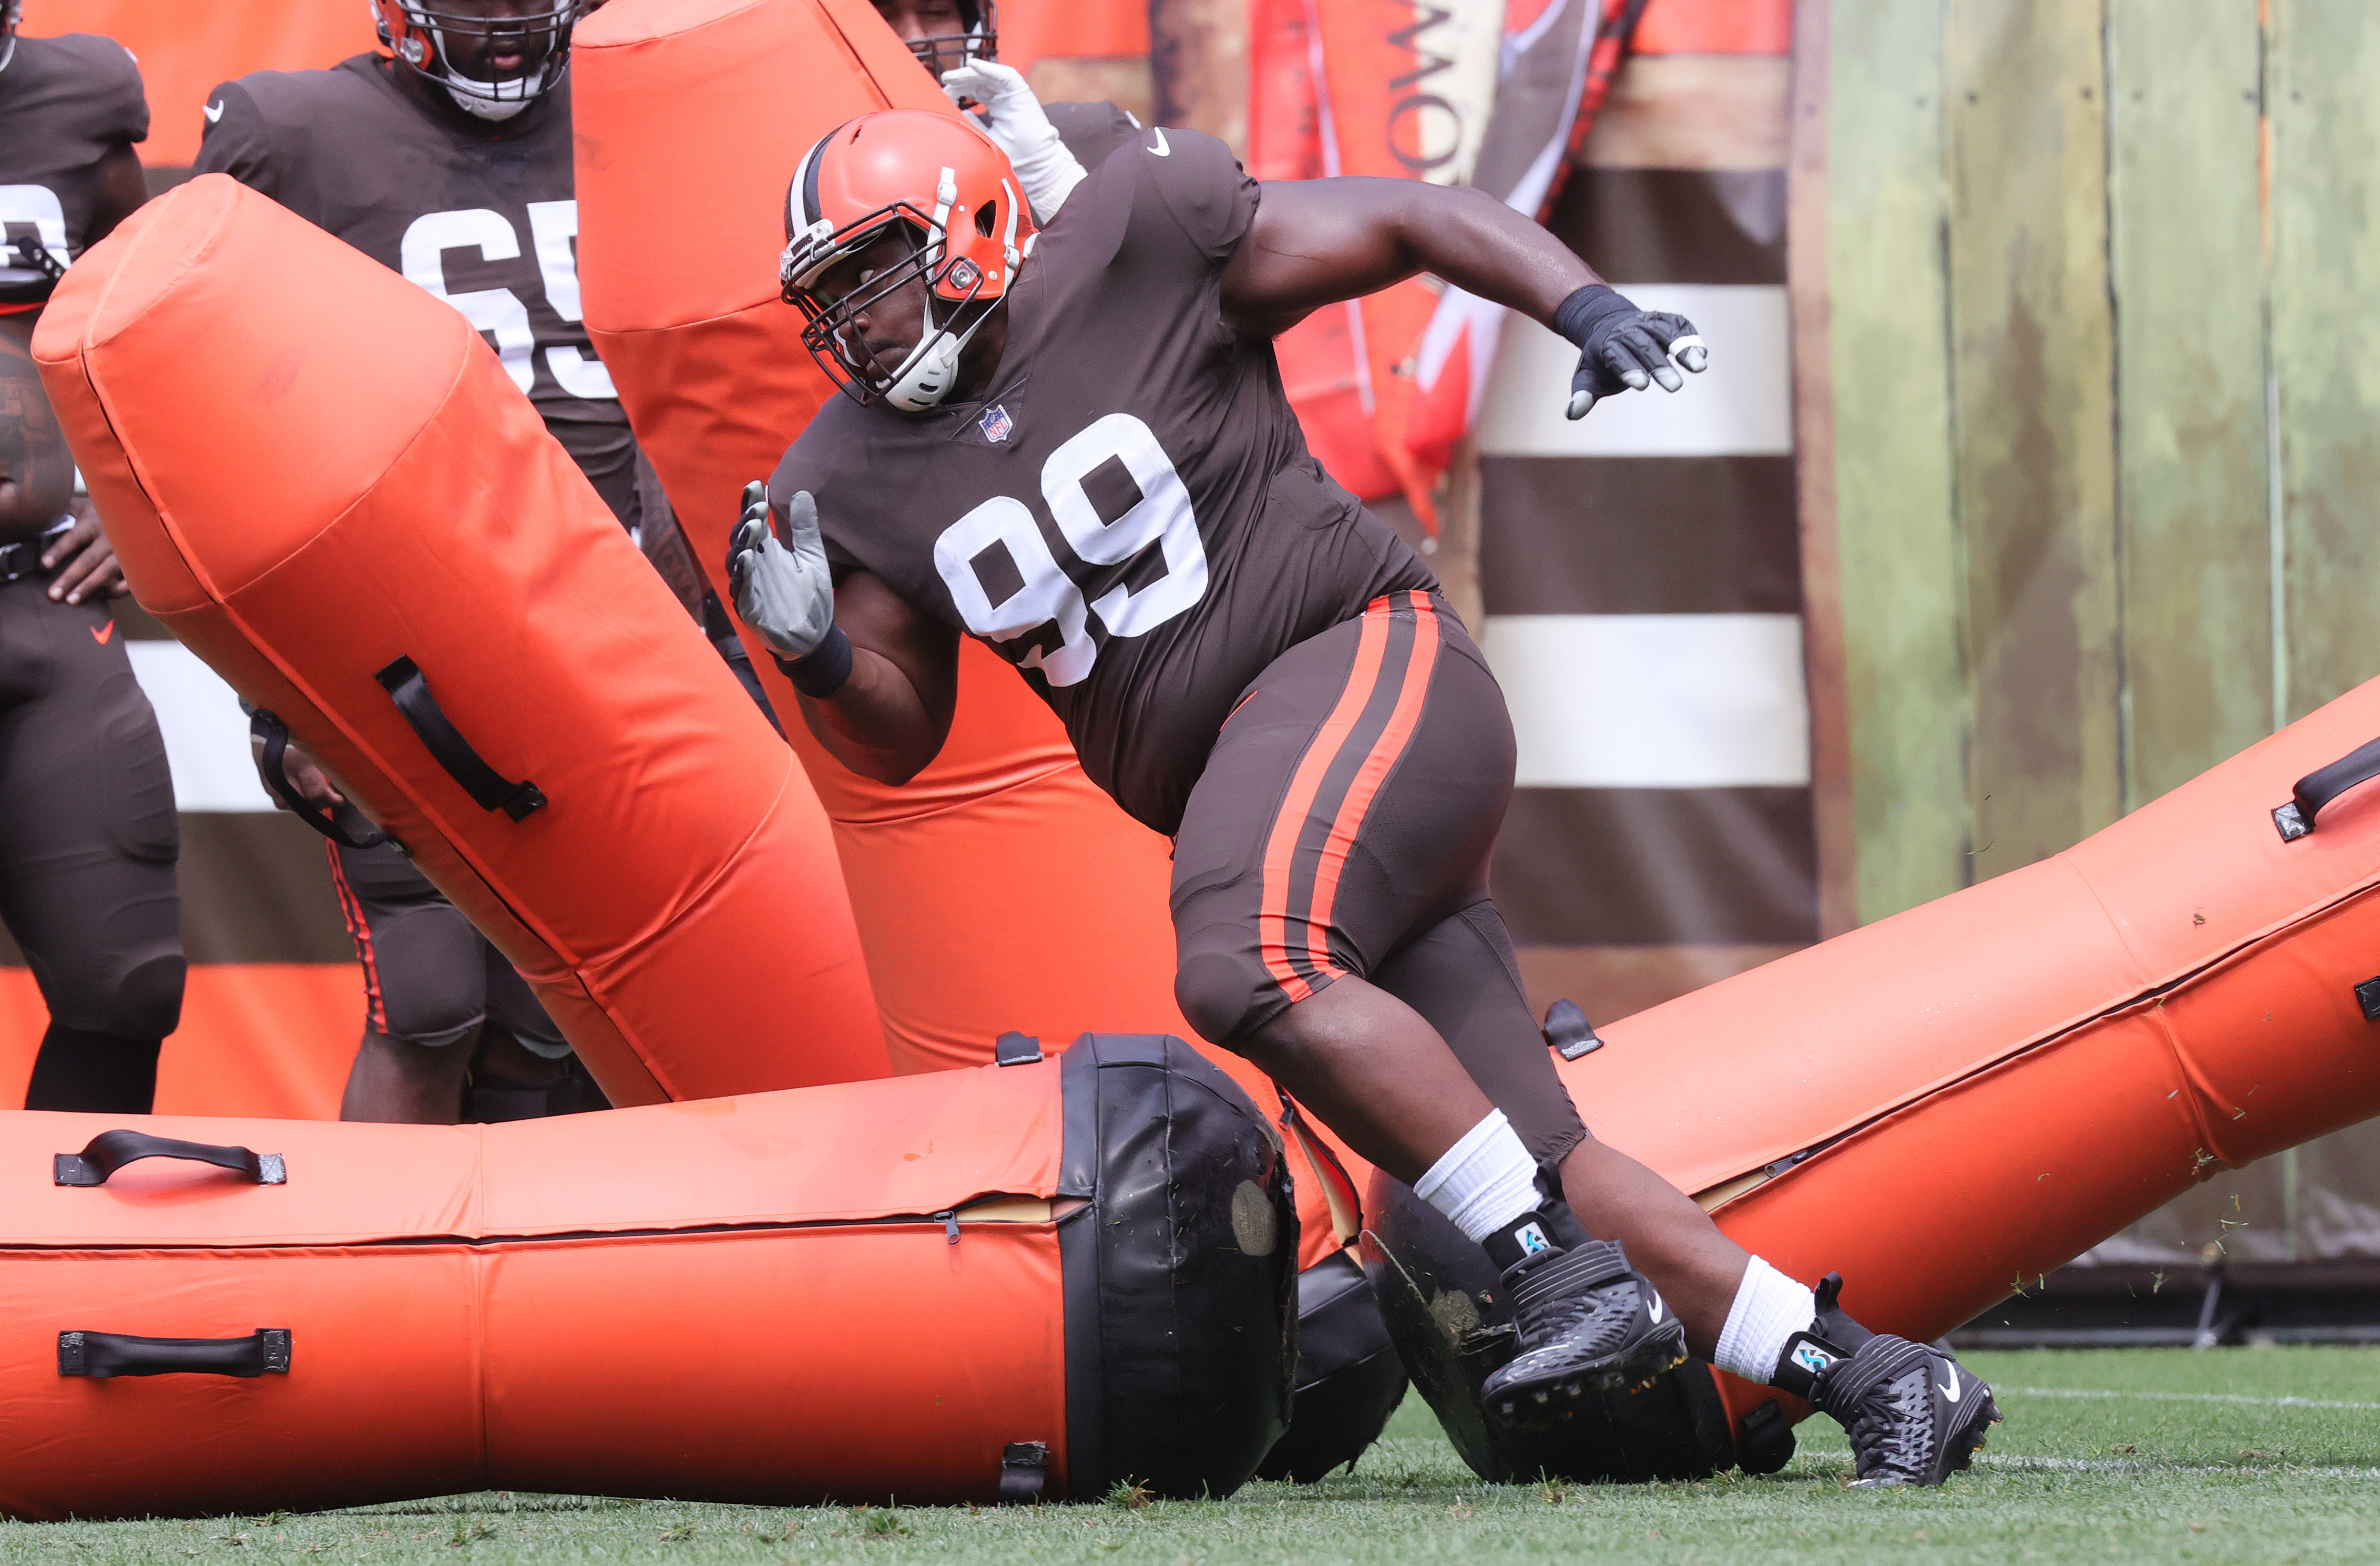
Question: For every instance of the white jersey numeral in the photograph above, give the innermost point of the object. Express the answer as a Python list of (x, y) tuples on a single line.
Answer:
[(1049, 593), (1162, 516), (35, 207), (1046, 594), (555, 228), (499, 312)]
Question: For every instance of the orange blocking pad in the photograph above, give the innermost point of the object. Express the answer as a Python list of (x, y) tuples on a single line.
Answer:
[(850, 1292), (1972, 1092), (272, 1038), (999, 890), (675, 899)]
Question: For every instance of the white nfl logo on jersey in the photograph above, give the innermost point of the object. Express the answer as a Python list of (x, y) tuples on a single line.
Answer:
[(996, 424)]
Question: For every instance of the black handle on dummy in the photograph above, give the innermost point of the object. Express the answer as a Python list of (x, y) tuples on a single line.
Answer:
[(2317, 789), (101, 1356), (490, 789), (110, 1150), (275, 734)]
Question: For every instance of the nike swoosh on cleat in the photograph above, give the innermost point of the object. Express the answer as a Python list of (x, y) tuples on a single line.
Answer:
[(1654, 1310), (213, 112), (1950, 1388), (100, 633), (1161, 150)]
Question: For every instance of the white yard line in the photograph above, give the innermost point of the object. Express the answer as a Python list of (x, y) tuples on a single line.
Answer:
[(2188, 1397), (2146, 1465)]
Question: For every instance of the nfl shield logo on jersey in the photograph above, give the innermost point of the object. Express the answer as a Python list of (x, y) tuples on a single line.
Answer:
[(996, 424)]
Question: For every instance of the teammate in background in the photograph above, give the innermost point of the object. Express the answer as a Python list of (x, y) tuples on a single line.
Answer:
[(1048, 145), (451, 163), (88, 834), (1074, 446)]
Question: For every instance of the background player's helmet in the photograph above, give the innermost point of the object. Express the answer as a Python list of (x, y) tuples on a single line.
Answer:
[(943, 184), (13, 11), (979, 41), (418, 33)]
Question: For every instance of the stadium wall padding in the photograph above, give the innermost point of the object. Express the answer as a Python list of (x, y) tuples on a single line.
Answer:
[(864, 1292), (677, 886)]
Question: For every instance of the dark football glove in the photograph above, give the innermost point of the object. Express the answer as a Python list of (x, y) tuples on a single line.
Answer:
[(1622, 348)]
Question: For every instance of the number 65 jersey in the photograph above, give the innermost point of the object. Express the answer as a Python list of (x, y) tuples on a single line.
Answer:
[(482, 214), (1130, 515)]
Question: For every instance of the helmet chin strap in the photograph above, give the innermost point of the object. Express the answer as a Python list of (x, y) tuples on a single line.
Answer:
[(487, 108), (927, 376)]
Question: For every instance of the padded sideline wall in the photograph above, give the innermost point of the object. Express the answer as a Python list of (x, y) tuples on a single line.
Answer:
[(2097, 304)]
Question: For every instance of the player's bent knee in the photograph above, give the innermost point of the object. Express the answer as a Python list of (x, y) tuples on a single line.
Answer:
[(1221, 997), (433, 1017), (146, 1001)]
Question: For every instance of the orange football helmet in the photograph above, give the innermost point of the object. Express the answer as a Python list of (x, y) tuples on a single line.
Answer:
[(941, 183)]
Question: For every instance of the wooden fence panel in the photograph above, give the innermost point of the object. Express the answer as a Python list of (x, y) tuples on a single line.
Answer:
[(2194, 519), (1896, 527), (2325, 96), (2033, 378)]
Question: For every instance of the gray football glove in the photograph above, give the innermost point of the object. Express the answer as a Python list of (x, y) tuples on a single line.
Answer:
[(782, 590)]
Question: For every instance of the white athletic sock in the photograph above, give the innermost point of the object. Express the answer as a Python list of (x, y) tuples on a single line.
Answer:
[(1770, 1308), (1485, 1180)]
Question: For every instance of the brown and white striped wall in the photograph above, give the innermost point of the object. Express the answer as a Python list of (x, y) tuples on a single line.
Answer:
[(1640, 571)]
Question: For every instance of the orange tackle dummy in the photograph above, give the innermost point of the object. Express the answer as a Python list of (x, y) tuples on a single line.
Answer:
[(322, 480), (999, 890), (1975, 1091), (1011, 1283)]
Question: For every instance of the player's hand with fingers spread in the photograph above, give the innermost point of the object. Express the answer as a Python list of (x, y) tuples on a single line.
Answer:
[(1014, 116), (785, 593), (1623, 348)]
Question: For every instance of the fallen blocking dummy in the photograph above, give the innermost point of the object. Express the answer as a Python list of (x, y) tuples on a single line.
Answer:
[(1954, 1100), (1010, 1282)]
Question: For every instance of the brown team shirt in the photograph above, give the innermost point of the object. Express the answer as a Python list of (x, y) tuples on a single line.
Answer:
[(65, 105), (484, 214), (1130, 516)]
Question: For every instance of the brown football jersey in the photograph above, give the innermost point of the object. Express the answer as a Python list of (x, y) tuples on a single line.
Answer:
[(1130, 515), (66, 103), (483, 214)]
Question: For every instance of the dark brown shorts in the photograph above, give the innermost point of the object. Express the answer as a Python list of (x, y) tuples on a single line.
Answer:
[(1342, 827), (88, 833)]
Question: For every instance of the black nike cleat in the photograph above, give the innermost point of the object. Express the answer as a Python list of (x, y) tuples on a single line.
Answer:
[(1913, 1416), (1588, 1322)]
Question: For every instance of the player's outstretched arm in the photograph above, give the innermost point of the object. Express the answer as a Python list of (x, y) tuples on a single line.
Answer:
[(878, 680), (1316, 242)]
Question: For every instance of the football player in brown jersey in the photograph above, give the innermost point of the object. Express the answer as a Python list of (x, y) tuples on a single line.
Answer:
[(1074, 446), (88, 834), (448, 159)]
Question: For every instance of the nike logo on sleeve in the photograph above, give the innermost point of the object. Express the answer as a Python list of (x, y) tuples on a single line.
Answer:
[(101, 634), (213, 112), (1161, 150)]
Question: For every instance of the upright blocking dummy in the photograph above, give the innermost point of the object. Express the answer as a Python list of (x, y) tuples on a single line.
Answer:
[(322, 480)]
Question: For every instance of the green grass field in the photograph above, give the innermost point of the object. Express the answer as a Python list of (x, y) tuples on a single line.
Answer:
[(2231, 1455)]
